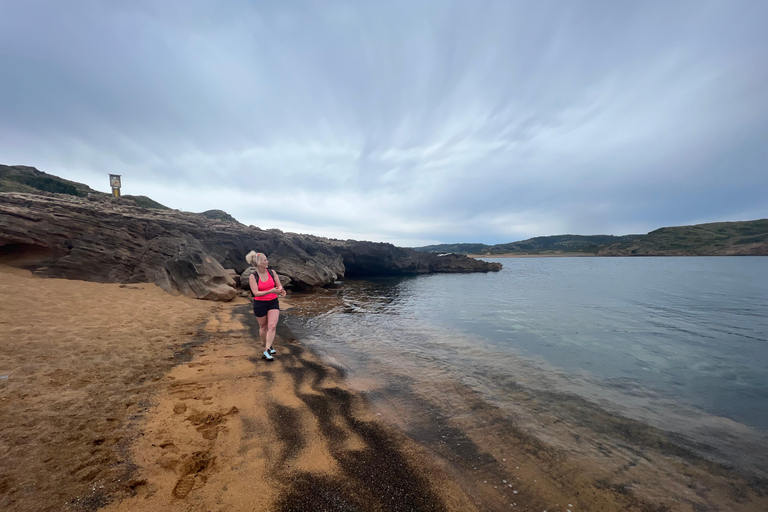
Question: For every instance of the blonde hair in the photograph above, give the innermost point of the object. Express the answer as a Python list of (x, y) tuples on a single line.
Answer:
[(254, 258)]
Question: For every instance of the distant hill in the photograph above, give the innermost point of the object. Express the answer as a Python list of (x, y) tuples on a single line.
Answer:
[(717, 238), (557, 244), (456, 248), (589, 244), (20, 178)]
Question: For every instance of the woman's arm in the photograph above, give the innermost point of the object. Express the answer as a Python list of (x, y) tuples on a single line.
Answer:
[(279, 286), (254, 284)]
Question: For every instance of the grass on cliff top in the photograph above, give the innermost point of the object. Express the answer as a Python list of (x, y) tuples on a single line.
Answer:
[(557, 244)]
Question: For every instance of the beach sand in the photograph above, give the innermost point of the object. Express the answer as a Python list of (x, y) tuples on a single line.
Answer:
[(125, 398)]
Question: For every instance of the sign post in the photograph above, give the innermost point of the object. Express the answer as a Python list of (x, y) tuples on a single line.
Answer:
[(114, 181)]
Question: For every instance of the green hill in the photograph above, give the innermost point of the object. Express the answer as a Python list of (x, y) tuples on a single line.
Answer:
[(455, 248), (557, 244), (20, 178), (717, 238)]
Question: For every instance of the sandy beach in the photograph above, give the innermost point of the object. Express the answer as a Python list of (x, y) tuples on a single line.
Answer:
[(125, 398)]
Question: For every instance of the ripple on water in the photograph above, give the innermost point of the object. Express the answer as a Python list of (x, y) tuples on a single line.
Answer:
[(637, 338)]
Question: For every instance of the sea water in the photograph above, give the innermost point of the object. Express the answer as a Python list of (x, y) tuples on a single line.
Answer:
[(680, 343)]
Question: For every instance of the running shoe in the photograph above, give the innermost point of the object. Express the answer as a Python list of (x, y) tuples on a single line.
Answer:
[(272, 351), (266, 355)]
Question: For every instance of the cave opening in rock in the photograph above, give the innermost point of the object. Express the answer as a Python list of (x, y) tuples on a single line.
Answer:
[(25, 255)]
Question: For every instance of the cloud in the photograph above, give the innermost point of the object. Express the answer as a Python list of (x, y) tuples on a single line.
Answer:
[(408, 122)]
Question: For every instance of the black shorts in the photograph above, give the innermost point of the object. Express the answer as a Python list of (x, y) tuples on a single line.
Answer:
[(260, 307)]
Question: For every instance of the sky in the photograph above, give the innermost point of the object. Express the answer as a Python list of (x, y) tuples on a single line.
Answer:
[(410, 122)]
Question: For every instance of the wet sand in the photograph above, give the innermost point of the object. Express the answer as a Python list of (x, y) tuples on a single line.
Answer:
[(126, 398)]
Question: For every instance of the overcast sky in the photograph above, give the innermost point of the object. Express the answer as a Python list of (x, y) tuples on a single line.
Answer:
[(402, 121)]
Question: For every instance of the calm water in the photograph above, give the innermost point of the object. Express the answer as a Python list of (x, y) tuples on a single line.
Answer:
[(680, 343)]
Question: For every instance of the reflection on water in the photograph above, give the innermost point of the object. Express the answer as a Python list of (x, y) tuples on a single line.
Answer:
[(679, 343)]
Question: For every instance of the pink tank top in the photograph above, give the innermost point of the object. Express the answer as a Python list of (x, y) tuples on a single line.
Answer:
[(265, 285)]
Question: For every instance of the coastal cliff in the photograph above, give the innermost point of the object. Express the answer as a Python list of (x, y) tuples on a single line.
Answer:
[(105, 239)]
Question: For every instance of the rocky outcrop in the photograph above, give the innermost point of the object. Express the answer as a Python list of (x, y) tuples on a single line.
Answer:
[(195, 274), (108, 239), (374, 258)]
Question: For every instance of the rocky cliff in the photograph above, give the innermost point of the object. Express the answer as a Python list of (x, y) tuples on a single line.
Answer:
[(373, 258), (107, 239)]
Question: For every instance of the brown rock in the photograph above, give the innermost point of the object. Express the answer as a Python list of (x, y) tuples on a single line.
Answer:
[(106, 239), (109, 241), (372, 258)]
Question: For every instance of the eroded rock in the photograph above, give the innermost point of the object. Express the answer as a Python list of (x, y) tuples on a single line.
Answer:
[(111, 240)]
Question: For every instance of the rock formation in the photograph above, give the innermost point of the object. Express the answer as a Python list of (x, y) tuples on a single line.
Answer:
[(109, 239), (374, 258)]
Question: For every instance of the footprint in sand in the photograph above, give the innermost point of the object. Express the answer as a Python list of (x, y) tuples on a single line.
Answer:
[(184, 486), (192, 471), (208, 423)]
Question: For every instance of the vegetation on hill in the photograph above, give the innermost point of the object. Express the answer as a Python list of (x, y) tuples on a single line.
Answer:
[(456, 248), (717, 238), (20, 178), (557, 244)]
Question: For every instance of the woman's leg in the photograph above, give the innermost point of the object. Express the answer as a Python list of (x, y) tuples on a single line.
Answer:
[(272, 316), (262, 327)]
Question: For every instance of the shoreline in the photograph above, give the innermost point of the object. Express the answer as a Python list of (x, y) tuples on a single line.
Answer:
[(515, 255), (583, 255), (168, 406)]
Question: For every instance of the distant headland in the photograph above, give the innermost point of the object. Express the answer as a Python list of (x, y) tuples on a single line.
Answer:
[(745, 238)]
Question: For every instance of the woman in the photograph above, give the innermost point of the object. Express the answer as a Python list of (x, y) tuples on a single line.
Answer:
[(265, 286)]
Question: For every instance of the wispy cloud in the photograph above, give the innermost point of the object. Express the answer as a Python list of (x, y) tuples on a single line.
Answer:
[(413, 122)]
